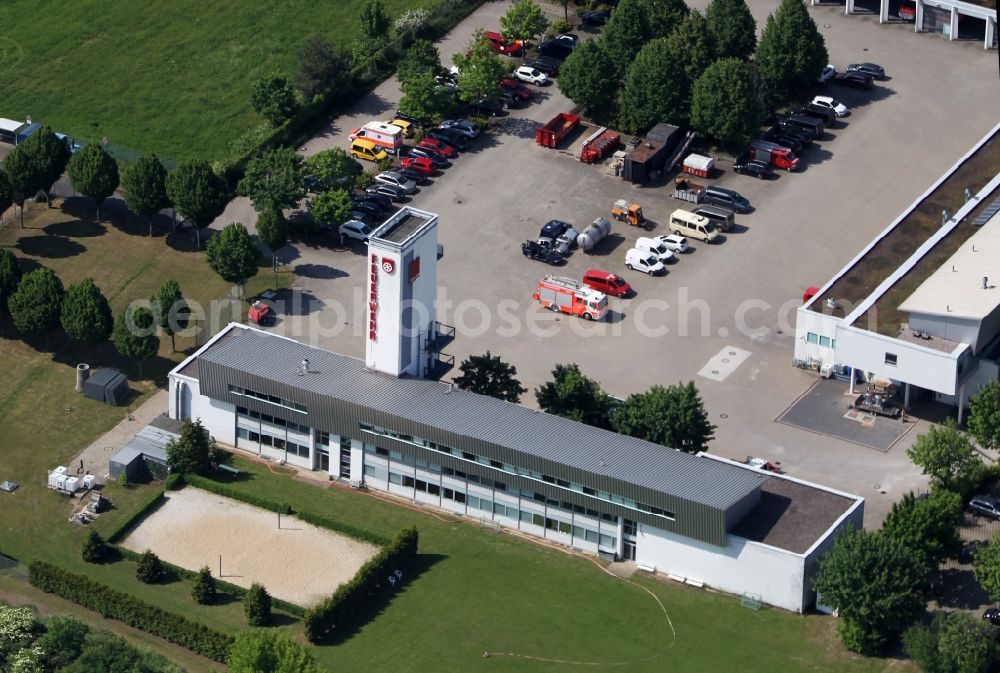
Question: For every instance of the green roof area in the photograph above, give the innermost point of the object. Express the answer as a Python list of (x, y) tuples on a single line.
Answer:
[(906, 237)]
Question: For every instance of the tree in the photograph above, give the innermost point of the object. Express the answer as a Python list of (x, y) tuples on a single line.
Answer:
[(10, 276), (876, 583), (479, 71), (86, 314), (626, 32), (258, 651), (233, 255), (204, 590), (572, 395), (273, 97), (423, 96), (331, 208), (149, 569), (733, 28), (272, 228), (197, 192), (50, 155), (273, 180), (656, 90), (489, 375), (792, 52), (589, 78), (36, 303), (6, 199), (145, 186), (193, 452), (726, 103), (955, 642), (134, 334), (411, 23), (27, 660), (257, 605), (322, 68), (110, 654), (692, 45), (374, 21), (94, 548), (663, 16), (421, 57), (523, 21), (929, 526), (170, 310), (93, 173), (984, 413), (62, 642), (948, 457), (332, 168), (23, 177), (18, 627), (673, 416), (986, 567)]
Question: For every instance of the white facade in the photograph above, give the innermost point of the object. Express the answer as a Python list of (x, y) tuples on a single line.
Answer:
[(401, 289)]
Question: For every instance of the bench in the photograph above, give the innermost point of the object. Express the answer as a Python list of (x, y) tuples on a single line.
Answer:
[(647, 567), (228, 469), (676, 578), (697, 584)]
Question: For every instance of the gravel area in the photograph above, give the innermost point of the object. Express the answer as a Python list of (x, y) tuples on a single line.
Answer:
[(299, 563)]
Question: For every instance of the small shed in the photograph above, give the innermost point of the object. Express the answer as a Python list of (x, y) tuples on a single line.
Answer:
[(146, 453), (107, 385), (649, 157)]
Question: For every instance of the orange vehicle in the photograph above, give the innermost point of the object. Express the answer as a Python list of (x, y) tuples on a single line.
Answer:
[(623, 211)]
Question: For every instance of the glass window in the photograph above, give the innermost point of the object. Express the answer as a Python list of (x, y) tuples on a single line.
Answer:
[(824, 341), (242, 433), (538, 519), (279, 443), (565, 527), (266, 440), (381, 452), (590, 535), (395, 455), (468, 456), (500, 509), (812, 338), (433, 489), (421, 485), (473, 502), (890, 359), (254, 437), (526, 516), (408, 481), (607, 540), (370, 470), (395, 478)]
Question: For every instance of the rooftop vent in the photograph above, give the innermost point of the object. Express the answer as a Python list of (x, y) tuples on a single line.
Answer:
[(304, 367), (986, 282), (830, 303)]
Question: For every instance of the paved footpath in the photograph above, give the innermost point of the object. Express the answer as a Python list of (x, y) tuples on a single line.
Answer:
[(95, 457)]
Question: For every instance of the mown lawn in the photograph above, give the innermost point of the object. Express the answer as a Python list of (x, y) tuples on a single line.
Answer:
[(46, 422), (170, 77)]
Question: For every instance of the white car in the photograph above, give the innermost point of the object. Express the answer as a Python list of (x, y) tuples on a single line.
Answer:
[(674, 243), (398, 180), (463, 126), (825, 101), (528, 74), (355, 229), (640, 260), (828, 72), (654, 247)]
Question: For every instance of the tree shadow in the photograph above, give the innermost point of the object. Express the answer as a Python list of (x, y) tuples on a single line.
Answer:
[(318, 271), (957, 588), (371, 606), (78, 228), (50, 247)]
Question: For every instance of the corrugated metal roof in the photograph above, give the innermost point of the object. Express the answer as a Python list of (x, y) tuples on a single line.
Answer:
[(485, 418)]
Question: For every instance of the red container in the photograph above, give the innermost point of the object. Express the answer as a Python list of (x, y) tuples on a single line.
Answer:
[(558, 128)]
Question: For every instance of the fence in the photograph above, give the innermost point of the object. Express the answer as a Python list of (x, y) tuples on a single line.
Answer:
[(13, 568)]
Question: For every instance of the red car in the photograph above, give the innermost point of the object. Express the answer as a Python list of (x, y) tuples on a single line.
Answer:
[(502, 46), (435, 145), (608, 283), (518, 89), (425, 166)]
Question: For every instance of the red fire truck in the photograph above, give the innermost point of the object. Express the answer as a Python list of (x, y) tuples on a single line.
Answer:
[(566, 295)]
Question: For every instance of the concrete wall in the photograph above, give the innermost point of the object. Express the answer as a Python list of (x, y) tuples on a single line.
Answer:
[(963, 330), (821, 324), (219, 418), (917, 365), (742, 566)]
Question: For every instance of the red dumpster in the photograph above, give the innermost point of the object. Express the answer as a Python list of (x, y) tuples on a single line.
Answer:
[(600, 145), (556, 129)]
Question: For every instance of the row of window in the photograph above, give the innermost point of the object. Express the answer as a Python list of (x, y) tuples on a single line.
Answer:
[(824, 341), (273, 420), (277, 442), (487, 505), (270, 399), (512, 469)]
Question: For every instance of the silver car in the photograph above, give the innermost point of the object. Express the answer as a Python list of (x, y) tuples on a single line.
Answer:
[(463, 126), (397, 179)]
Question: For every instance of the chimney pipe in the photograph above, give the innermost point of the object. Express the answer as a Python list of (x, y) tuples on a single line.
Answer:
[(986, 282)]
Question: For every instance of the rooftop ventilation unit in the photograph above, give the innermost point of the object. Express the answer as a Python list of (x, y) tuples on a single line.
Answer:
[(304, 367)]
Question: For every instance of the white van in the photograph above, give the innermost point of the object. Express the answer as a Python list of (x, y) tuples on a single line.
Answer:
[(640, 260), (655, 247), (684, 223)]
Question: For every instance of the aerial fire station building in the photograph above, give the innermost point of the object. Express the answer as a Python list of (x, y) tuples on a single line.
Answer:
[(699, 519)]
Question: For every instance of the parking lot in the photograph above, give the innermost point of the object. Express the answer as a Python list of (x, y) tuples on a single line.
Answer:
[(737, 296)]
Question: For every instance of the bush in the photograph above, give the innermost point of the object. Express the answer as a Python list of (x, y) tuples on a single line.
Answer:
[(127, 525), (561, 26), (364, 180), (386, 164), (204, 590), (125, 608), (236, 494), (369, 580), (94, 548), (257, 605), (149, 570), (62, 642), (175, 482)]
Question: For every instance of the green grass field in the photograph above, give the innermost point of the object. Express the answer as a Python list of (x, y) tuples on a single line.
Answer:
[(170, 77)]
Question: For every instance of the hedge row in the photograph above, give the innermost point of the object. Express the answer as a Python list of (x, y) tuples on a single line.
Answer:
[(223, 586), (370, 580), (123, 528), (308, 517), (128, 609)]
